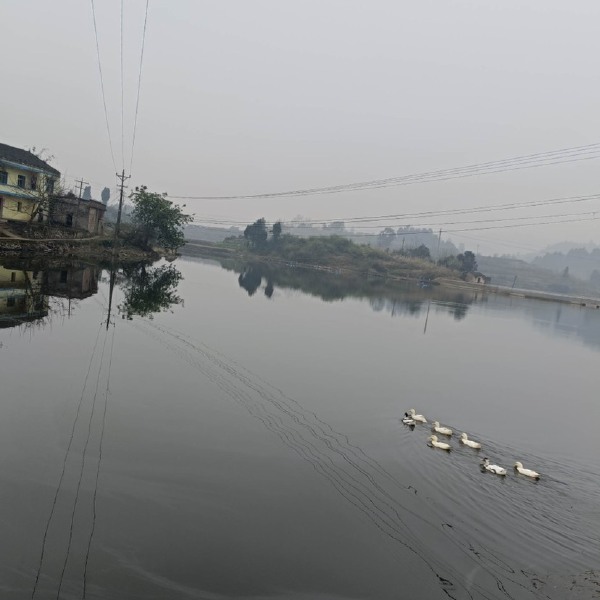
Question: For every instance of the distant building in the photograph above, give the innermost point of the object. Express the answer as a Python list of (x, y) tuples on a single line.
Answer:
[(22, 176), (70, 211), (478, 277)]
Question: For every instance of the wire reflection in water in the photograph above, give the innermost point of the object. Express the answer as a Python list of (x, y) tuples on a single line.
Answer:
[(392, 507)]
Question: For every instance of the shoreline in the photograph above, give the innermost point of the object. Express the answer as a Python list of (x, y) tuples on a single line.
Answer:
[(95, 248), (207, 250)]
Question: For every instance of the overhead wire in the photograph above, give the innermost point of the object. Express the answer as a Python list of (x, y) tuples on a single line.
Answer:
[(512, 225), (425, 214), (122, 95), (112, 153), (137, 102), (540, 159)]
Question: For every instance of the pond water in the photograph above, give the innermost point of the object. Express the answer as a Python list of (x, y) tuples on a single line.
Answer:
[(234, 431)]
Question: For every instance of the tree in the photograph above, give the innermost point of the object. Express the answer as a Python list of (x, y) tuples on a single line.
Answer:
[(87, 193), (105, 195), (157, 220), (44, 197), (276, 231), (421, 251), (467, 261), (256, 234)]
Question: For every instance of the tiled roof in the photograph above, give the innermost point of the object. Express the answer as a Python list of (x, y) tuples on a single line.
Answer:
[(24, 157)]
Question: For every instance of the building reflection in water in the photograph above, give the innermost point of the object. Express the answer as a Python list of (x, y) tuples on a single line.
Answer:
[(26, 293)]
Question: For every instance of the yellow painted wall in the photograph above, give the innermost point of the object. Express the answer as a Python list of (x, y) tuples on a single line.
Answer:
[(10, 203), (20, 277)]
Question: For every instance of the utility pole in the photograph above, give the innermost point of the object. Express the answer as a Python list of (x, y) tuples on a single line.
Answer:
[(122, 186), (81, 183)]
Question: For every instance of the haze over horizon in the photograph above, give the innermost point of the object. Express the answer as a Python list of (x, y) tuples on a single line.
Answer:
[(246, 98)]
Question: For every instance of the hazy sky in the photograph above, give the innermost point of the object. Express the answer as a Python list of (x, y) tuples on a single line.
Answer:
[(252, 96)]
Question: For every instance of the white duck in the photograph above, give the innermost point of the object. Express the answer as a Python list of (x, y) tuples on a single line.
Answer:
[(441, 445), (467, 442), (417, 417), (485, 463), (528, 472), (443, 430)]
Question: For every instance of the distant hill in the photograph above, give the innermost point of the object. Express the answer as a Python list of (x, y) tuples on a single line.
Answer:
[(566, 246), (503, 271), (578, 262)]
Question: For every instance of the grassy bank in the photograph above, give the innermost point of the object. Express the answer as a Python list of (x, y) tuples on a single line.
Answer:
[(333, 253), (27, 241)]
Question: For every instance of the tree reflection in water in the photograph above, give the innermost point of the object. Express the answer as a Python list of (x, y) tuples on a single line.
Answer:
[(149, 290), (384, 295)]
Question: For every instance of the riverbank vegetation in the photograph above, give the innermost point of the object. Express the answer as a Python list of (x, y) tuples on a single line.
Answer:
[(337, 253)]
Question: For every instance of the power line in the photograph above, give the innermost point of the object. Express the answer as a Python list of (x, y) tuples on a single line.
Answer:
[(513, 225), (137, 103), (122, 96), (541, 159), (427, 214), (112, 154)]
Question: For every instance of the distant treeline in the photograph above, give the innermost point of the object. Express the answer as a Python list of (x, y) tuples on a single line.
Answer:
[(406, 239), (577, 262)]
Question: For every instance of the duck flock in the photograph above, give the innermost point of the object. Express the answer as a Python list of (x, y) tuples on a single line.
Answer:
[(411, 418)]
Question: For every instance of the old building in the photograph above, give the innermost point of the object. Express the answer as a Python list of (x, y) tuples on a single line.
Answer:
[(70, 211), (21, 297), (24, 178)]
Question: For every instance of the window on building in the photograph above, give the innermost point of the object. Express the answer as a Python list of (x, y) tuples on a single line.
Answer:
[(19, 206), (33, 182), (64, 275), (3, 177), (13, 276), (21, 181), (50, 186), (10, 301)]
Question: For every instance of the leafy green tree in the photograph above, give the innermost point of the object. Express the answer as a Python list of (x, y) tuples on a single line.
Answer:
[(157, 220), (256, 234)]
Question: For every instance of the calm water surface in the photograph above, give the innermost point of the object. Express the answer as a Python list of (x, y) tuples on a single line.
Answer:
[(245, 441)]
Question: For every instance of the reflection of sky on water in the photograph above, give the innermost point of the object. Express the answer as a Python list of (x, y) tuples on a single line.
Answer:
[(569, 321)]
